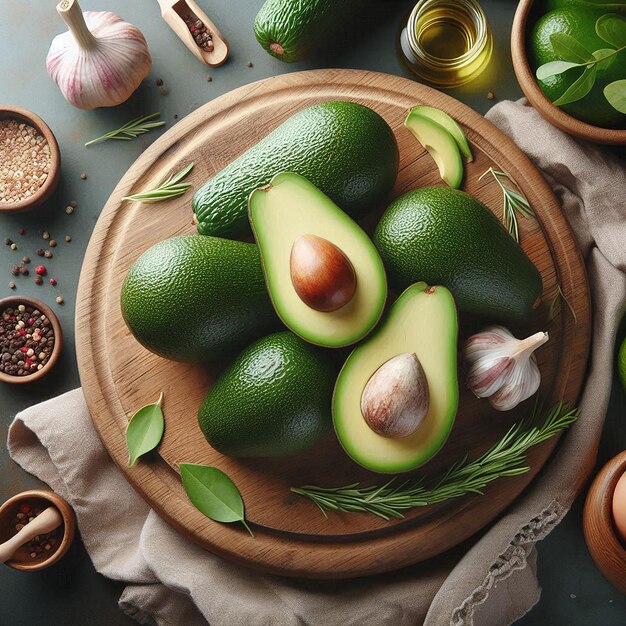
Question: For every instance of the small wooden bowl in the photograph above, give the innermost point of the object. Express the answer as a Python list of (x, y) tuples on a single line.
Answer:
[(36, 497), (531, 89), (58, 339), (43, 193), (604, 545)]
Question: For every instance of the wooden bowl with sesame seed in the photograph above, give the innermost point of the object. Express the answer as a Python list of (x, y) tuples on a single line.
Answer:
[(35, 499), (50, 158), (16, 301)]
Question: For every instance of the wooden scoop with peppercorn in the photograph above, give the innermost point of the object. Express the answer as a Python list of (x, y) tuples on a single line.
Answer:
[(47, 521)]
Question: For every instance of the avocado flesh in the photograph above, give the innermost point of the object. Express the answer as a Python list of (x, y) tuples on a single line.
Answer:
[(192, 298), (273, 400), (289, 207), (423, 321), (345, 149), (448, 123), (441, 146), (447, 237)]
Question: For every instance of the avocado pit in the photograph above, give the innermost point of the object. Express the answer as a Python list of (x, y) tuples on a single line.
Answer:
[(395, 399), (321, 274)]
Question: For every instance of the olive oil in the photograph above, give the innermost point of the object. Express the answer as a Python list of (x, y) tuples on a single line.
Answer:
[(446, 42)]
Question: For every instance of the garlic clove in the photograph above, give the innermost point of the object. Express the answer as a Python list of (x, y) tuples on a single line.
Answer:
[(502, 368), (395, 399)]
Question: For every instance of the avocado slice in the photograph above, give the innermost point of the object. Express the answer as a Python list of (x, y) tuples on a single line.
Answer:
[(447, 237), (422, 321), (273, 400), (441, 146), (283, 214), (447, 122)]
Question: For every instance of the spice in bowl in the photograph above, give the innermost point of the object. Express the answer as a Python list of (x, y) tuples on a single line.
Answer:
[(40, 544), (27, 340), (25, 160)]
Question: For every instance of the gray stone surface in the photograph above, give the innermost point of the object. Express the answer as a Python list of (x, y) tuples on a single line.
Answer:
[(72, 592)]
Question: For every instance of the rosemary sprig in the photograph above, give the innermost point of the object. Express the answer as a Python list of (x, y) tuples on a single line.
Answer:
[(171, 187), (555, 304), (512, 201), (131, 129), (505, 458)]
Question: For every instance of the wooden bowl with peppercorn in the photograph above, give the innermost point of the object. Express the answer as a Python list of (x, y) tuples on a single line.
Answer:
[(30, 161), (31, 339), (44, 550)]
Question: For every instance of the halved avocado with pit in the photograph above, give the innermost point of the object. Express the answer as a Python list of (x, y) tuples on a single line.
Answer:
[(422, 321), (290, 217)]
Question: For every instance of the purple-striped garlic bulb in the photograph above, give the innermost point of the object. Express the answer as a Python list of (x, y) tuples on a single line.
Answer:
[(502, 369), (100, 61)]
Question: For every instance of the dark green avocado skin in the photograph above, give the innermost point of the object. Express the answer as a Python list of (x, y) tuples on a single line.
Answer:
[(300, 27), (446, 237), (274, 400), (345, 149), (197, 299)]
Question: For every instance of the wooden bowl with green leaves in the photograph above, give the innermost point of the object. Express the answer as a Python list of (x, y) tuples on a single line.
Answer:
[(528, 11)]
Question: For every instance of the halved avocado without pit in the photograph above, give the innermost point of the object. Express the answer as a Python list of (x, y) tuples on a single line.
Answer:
[(423, 324), (323, 273), (440, 144)]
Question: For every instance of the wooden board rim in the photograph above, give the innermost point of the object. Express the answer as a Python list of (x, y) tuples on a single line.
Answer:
[(304, 557)]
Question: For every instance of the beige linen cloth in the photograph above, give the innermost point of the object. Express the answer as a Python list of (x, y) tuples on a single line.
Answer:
[(171, 581)]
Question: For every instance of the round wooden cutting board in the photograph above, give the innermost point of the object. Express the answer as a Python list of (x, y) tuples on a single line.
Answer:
[(292, 537)]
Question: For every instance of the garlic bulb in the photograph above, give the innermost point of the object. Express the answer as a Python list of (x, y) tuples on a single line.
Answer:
[(100, 61), (501, 367)]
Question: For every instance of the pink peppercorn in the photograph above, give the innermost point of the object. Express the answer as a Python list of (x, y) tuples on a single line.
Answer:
[(53, 281), (41, 270), (31, 321), (25, 508)]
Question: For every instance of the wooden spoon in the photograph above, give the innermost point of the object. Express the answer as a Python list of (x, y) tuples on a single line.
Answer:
[(44, 523)]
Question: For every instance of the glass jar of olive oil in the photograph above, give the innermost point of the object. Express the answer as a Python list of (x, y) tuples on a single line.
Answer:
[(446, 42)]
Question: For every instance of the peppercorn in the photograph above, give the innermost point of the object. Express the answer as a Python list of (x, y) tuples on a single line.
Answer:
[(38, 280), (21, 231), (209, 78), (39, 252), (73, 204), (47, 254), (250, 64), (40, 270), (25, 259), (69, 210), (59, 300), (24, 271), (52, 243), (13, 246), (159, 82), (490, 95), (15, 270), (7, 241), (53, 282), (11, 285), (83, 176), (68, 238)]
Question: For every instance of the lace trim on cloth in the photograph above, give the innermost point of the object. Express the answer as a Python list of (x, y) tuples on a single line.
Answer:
[(511, 560)]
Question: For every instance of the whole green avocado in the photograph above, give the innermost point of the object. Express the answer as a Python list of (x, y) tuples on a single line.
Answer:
[(345, 149), (291, 30), (196, 299), (274, 400), (446, 237)]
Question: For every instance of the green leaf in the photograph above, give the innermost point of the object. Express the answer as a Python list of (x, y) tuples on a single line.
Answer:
[(213, 493), (145, 430), (605, 56), (612, 28), (555, 67), (615, 93), (580, 87), (570, 49)]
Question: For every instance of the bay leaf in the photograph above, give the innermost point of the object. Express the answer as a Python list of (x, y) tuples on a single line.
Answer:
[(570, 49), (615, 93), (554, 67), (145, 430), (213, 493), (612, 28), (580, 87)]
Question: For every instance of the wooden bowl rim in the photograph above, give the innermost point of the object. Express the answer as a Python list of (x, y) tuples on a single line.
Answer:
[(58, 339), (44, 192), (598, 514), (539, 100), (69, 522)]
